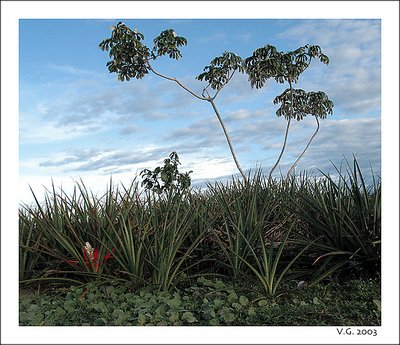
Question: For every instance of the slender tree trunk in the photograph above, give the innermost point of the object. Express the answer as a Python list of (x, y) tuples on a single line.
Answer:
[(283, 149), (227, 139), (286, 133), (211, 100), (305, 149)]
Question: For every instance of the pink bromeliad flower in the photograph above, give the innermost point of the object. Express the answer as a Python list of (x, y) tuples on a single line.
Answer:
[(91, 257)]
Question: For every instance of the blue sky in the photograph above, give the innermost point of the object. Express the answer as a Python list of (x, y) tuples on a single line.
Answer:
[(78, 121)]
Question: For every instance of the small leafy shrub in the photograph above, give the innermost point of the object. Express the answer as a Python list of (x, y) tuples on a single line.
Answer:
[(166, 178)]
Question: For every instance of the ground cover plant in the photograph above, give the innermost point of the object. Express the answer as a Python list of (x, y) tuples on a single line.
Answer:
[(256, 252), (207, 302)]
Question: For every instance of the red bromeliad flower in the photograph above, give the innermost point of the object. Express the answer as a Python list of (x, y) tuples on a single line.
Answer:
[(91, 257)]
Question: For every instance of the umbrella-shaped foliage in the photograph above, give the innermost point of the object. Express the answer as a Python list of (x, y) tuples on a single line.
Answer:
[(130, 58), (315, 103), (221, 70), (267, 62)]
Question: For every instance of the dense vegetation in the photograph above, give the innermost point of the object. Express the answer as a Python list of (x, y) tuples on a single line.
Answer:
[(279, 241), (206, 303)]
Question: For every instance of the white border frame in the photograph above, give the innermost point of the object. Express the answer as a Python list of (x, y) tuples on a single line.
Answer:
[(11, 12)]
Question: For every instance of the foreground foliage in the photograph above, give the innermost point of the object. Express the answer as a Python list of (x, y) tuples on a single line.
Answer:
[(208, 303), (139, 257), (303, 228)]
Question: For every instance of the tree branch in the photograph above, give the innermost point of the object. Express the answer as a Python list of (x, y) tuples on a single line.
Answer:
[(286, 132), (227, 139), (211, 100), (305, 149), (178, 82), (229, 79)]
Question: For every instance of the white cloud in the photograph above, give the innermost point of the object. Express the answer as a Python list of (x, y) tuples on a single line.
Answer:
[(352, 78), (238, 115), (337, 139), (209, 168), (216, 36), (69, 69), (37, 132)]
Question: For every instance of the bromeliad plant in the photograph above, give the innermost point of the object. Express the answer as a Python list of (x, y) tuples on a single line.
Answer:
[(30, 257), (68, 224), (254, 236), (240, 213), (91, 257), (346, 213), (172, 243), (153, 238), (268, 266)]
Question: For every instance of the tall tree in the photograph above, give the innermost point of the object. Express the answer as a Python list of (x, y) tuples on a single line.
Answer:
[(318, 105), (131, 58), (285, 67)]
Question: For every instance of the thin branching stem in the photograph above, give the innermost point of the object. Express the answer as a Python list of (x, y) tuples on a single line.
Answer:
[(211, 100), (286, 132), (178, 82), (305, 149), (227, 139), (229, 79)]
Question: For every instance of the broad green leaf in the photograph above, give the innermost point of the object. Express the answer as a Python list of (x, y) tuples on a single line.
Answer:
[(262, 303), (218, 302), (142, 319), (214, 322), (174, 317), (188, 317), (69, 306), (60, 311), (243, 300), (236, 305), (175, 302), (232, 297), (160, 310), (251, 311), (219, 284), (227, 315), (100, 322)]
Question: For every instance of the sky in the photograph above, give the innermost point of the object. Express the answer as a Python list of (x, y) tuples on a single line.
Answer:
[(77, 121)]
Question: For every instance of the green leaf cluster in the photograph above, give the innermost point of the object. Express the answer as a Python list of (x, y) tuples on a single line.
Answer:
[(221, 70), (166, 178), (267, 62), (167, 43), (296, 103), (129, 56)]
